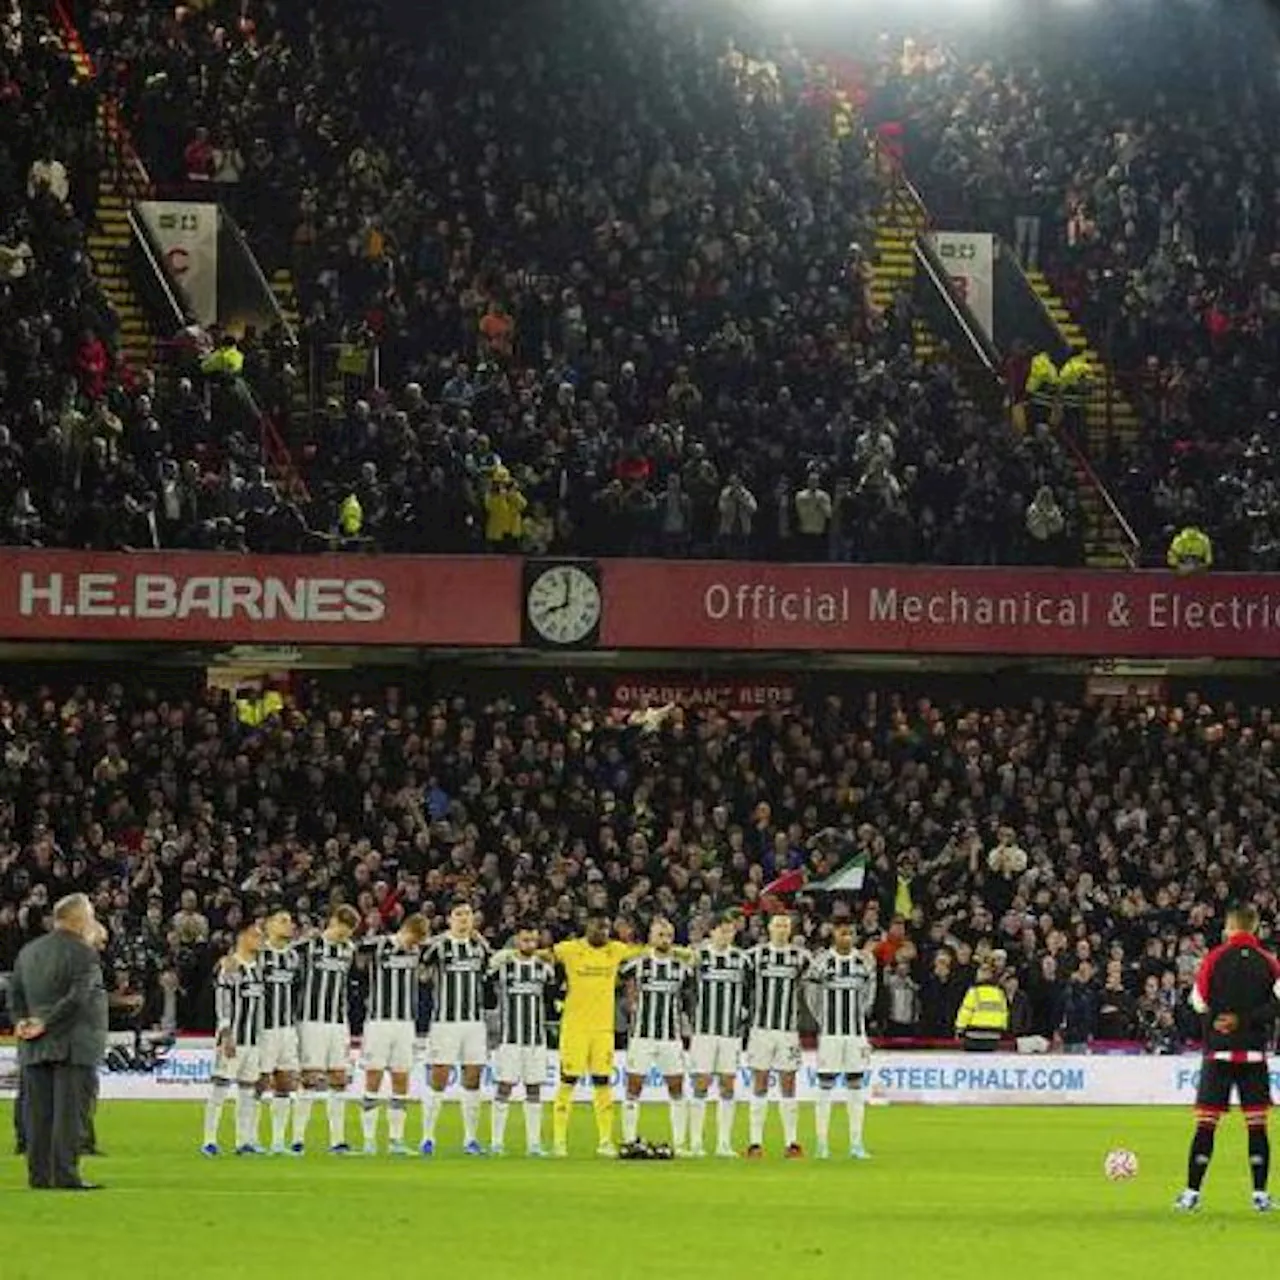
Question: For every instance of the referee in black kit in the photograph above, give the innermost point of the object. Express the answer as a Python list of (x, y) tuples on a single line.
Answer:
[(1236, 993)]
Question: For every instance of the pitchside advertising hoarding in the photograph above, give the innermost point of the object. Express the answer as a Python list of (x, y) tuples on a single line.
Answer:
[(711, 606), (942, 1079)]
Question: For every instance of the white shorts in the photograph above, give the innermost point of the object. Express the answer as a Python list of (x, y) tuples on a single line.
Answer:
[(521, 1064), (773, 1050), (843, 1055), (458, 1044), (278, 1051), (714, 1055), (326, 1046), (244, 1066), (644, 1055), (388, 1046)]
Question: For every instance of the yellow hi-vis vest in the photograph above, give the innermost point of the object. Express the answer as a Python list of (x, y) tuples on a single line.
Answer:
[(1190, 549), (984, 1009), (351, 515), (1042, 379)]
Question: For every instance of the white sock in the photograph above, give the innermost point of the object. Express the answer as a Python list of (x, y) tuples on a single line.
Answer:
[(726, 1112), (533, 1124), (498, 1109), (857, 1102), (281, 1104), (246, 1116), (213, 1112), (396, 1118), (630, 1120), (369, 1120), (697, 1121), (790, 1109), (679, 1109), (430, 1110), (822, 1117), (470, 1114), (303, 1101), (336, 1109), (758, 1110)]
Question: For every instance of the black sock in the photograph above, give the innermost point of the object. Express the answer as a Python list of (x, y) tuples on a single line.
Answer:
[(1201, 1154), (1259, 1157)]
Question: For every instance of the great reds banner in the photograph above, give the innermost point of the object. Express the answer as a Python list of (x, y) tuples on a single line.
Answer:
[(894, 609), (712, 606), (186, 234), (198, 598), (969, 259)]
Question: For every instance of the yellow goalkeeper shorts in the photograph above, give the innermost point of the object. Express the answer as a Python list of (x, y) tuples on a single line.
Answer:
[(586, 1053)]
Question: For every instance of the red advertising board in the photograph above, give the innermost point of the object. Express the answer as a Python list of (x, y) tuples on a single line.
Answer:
[(726, 606), (709, 606), (216, 599)]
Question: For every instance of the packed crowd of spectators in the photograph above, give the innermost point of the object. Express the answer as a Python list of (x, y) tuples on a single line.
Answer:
[(1130, 154), (1084, 851), (612, 265)]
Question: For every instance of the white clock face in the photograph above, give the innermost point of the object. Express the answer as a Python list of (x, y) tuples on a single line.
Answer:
[(563, 604)]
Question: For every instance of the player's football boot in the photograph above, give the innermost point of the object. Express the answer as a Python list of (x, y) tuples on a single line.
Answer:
[(397, 1149), (1187, 1202), (428, 1148), (285, 1151), (726, 1153), (298, 1149), (1262, 1202), (340, 1149), (696, 1153), (497, 1151), (859, 1152), (250, 1149), (755, 1152), (472, 1148), (209, 1149), (823, 1152), (607, 1150), (534, 1153), (794, 1151), (559, 1152)]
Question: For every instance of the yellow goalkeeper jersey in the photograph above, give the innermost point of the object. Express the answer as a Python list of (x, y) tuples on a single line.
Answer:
[(591, 977)]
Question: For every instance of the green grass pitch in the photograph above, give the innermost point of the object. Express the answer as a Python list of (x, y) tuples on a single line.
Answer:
[(951, 1192)]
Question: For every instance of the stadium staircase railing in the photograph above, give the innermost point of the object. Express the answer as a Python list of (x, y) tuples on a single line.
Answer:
[(124, 181)]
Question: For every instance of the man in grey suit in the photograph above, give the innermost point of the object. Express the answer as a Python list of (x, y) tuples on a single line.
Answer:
[(59, 1006)]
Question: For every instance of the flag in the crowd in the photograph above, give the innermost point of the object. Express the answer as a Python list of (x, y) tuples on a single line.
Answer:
[(848, 879)]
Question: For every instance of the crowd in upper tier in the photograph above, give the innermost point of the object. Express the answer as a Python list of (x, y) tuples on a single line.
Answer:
[(1086, 851), (617, 272), (1131, 154), (616, 268)]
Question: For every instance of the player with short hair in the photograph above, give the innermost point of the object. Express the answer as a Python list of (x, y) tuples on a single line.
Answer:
[(324, 1026), (1235, 991), (719, 1011), (390, 1027), (778, 967), (844, 980), (522, 1057), (590, 965), (278, 1052), (458, 961), (658, 977), (238, 1000)]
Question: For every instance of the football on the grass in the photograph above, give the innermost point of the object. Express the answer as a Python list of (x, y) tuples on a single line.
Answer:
[(1120, 1165)]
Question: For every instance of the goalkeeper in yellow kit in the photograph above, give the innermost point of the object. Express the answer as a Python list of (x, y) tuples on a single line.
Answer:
[(590, 965)]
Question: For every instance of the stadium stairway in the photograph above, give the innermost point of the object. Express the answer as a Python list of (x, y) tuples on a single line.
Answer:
[(109, 240), (1111, 422), (109, 250), (900, 221)]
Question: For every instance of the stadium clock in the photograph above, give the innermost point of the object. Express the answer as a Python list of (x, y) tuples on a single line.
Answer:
[(562, 603)]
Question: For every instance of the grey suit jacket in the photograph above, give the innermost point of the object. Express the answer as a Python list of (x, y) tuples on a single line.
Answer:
[(58, 979)]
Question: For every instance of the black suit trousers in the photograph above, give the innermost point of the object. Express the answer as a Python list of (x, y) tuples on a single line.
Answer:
[(56, 1101)]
